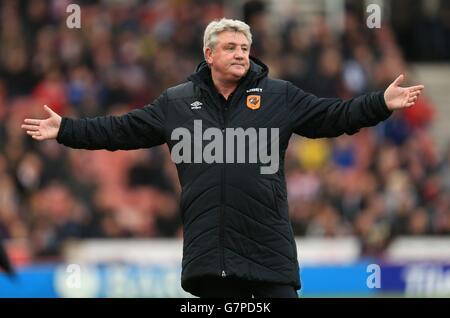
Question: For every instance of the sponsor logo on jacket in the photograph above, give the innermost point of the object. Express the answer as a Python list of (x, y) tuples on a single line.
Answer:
[(196, 105)]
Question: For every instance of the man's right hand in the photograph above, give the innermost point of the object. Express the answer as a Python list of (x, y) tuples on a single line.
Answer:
[(43, 129)]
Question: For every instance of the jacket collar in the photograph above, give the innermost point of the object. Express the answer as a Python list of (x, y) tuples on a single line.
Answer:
[(202, 74)]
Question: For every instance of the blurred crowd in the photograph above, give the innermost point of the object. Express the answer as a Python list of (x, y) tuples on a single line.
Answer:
[(378, 184)]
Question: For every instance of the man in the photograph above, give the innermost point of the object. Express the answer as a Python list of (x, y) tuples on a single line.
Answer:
[(238, 240)]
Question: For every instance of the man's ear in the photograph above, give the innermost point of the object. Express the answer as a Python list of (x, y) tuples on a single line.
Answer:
[(208, 55)]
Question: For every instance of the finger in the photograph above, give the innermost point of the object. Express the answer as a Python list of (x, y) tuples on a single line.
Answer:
[(399, 80), (40, 138), (416, 92), (49, 110), (33, 133), (408, 95), (416, 88), (30, 127), (32, 121)]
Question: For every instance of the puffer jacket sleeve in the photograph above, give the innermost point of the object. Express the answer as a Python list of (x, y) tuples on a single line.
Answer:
[(139, 128), (315, 117)]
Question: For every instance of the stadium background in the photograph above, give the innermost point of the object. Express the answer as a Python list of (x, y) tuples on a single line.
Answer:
[(379, 197)]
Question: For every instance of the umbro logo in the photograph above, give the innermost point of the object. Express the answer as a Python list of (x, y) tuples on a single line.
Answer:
[(196, 105)]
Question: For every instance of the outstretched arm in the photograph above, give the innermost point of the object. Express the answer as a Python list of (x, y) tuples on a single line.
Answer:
[(315, 117), (139, 128), (43, 129)]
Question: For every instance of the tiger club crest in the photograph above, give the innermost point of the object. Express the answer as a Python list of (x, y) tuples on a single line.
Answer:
[(253, 101)]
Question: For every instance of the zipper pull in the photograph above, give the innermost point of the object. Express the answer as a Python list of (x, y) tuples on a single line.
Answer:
[(224, 274)]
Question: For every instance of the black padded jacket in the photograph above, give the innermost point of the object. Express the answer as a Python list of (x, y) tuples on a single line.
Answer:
[(235, 218)]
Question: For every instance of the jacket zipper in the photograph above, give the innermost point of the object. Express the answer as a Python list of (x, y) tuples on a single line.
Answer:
[(224, 110), (223, 124), (222, 206), (228, 105)]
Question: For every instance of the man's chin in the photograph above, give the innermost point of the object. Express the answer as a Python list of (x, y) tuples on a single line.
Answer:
[(237, 75)]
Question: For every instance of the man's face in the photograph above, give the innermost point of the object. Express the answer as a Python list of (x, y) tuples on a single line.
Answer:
[(229, 60)]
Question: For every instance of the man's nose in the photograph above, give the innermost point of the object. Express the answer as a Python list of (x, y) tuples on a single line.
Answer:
[(239, 54)]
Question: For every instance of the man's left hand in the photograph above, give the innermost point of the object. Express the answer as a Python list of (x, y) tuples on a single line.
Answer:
[(397, 97)]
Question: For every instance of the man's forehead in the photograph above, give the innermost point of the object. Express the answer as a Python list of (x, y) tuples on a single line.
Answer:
[(233, 37)]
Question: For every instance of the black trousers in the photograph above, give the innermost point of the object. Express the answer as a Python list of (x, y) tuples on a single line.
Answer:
[(232, 288)]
